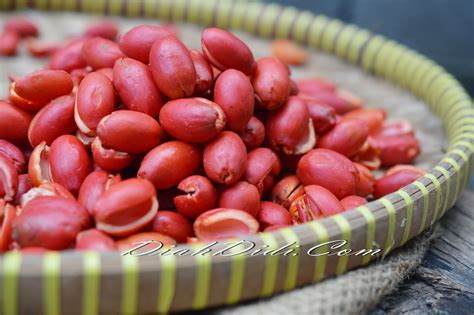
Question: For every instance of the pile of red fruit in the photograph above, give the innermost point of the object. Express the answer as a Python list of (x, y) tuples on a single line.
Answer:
[(143, 139)]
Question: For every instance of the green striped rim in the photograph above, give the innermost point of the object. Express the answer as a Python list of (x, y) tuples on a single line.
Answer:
[(203, 281), (236, 280), (389, 242), (271, 266), (426, 204), (346, 233), (447, 179), (166, 284), (322, 236), (438, 193), (375, 54), (11, 269), (409, 215), (370, 219), (91, 289), (292, 261), (130, 278), (51, 283)]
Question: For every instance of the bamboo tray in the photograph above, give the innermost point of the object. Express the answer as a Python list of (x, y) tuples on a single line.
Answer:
[(92, 283)]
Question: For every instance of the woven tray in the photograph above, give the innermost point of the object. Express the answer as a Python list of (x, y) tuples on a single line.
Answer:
[(92, 283)]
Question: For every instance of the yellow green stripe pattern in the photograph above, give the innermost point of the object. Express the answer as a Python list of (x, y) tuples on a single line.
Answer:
[(370, 220), (346, 233), (322, 236), (51, 283), (130, 278), (91, 288), (203, 281), (11, 270), (167, 282), (419, 205)]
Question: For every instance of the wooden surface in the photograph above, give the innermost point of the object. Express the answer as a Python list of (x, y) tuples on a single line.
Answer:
[(444, 282)]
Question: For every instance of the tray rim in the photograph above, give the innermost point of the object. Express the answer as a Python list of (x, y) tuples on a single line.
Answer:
[(376, 55)]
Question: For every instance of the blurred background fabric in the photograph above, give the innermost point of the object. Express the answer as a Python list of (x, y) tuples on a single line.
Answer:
[(441, 29)]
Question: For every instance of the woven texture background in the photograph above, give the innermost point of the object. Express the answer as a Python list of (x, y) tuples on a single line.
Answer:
[(356, 291)]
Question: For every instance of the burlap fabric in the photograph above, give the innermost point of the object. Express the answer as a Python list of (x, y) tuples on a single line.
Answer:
[(357, 291)]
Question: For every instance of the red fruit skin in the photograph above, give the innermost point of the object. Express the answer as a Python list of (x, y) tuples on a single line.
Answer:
[(324, 199), (46, 189), (44, 85), (14, 154), (126, 207), (169, 163), (94, 185), (313, 85), (21, 26), (365, 185), (52, 121), (286, 190), (316, 203), (8, 179), (347, 137), (101, 53), (405, 167), (395, 127), (69, 57), (108, 72), (323, 116), (95, 240), (201, 195), (14, 123), (192, 119), (172, 68), (173, 225), (261, 163), (225, 158), (271, 82), (121, 130), (369, 155), (234, 93), (330, 170), (341, 101), (288, 126), (130, 76), (8, 213), (351, 202), (50, 222), (69, 162), (24, 185), (226, 51), (9, 42), (109, 159), (105, 29), (272, 214), (393, 182), (95, 100), (204, 74), (395, 150), (373, 117), (79, 74), (137, 42), (242, 196), (253, 134)]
